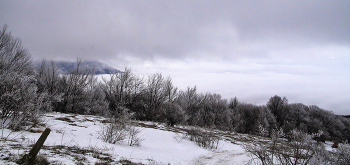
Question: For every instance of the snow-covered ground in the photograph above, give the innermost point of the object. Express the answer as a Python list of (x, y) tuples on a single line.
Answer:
[(75, 139)]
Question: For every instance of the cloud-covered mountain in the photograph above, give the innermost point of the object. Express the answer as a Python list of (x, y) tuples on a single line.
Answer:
[(66, 67)]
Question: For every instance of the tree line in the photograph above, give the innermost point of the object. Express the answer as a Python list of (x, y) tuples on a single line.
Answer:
[(25, 93)]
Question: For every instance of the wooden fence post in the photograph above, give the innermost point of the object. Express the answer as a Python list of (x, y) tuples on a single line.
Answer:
[(30, 158)]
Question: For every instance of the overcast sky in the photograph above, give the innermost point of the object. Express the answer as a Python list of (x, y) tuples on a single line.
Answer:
[(250, 49)]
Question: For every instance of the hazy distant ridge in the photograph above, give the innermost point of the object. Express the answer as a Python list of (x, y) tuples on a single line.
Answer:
[(65, 67)]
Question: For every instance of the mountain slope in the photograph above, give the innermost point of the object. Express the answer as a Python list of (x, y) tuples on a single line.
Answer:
[(65, 67)]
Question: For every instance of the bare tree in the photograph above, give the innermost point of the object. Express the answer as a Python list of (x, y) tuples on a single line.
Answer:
[(170, 89), (48, 76), (96, 98), (48, 80), (233, 103), (189, 100), (173, 113), (74, 86), (122, 89), (13, 57), (156, 95)]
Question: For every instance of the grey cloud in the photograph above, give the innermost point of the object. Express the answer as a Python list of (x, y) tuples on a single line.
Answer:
[(172, 29), (249, 49)]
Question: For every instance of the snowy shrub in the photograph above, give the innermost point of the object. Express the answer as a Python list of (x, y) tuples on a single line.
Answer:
[(116, 129), (179, 137), (113, 132), (260, 152), (133, 138), (120, 128), (20, 104), (301, 150), (203, 139), (342, 154), (265, 153), (339, 156)]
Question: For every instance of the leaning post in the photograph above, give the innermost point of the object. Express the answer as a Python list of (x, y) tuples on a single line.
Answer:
[(30, 158)]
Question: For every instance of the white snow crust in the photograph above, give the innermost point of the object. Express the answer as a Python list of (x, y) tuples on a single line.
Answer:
[(158, 147)]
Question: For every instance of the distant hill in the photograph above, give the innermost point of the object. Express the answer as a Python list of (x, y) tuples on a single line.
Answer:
[(65, 67)]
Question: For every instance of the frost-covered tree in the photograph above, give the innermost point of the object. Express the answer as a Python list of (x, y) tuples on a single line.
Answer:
[(190, 101), (278, 107), (170, 90), (48, 80), (327, 121), (247, 118), (96, 98), (74, 87), (122, 89), (297, 117), (13, 57), (213, 111), (233, 103), (156, 95), (20, 101), (172, 113)]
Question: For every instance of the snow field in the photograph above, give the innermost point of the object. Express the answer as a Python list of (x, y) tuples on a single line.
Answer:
[(160, 146)]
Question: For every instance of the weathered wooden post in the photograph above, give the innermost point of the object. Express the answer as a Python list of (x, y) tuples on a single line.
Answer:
[(335, 144), (30, 158)]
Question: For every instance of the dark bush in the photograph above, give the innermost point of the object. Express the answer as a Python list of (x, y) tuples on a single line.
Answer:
[(172, 113)]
